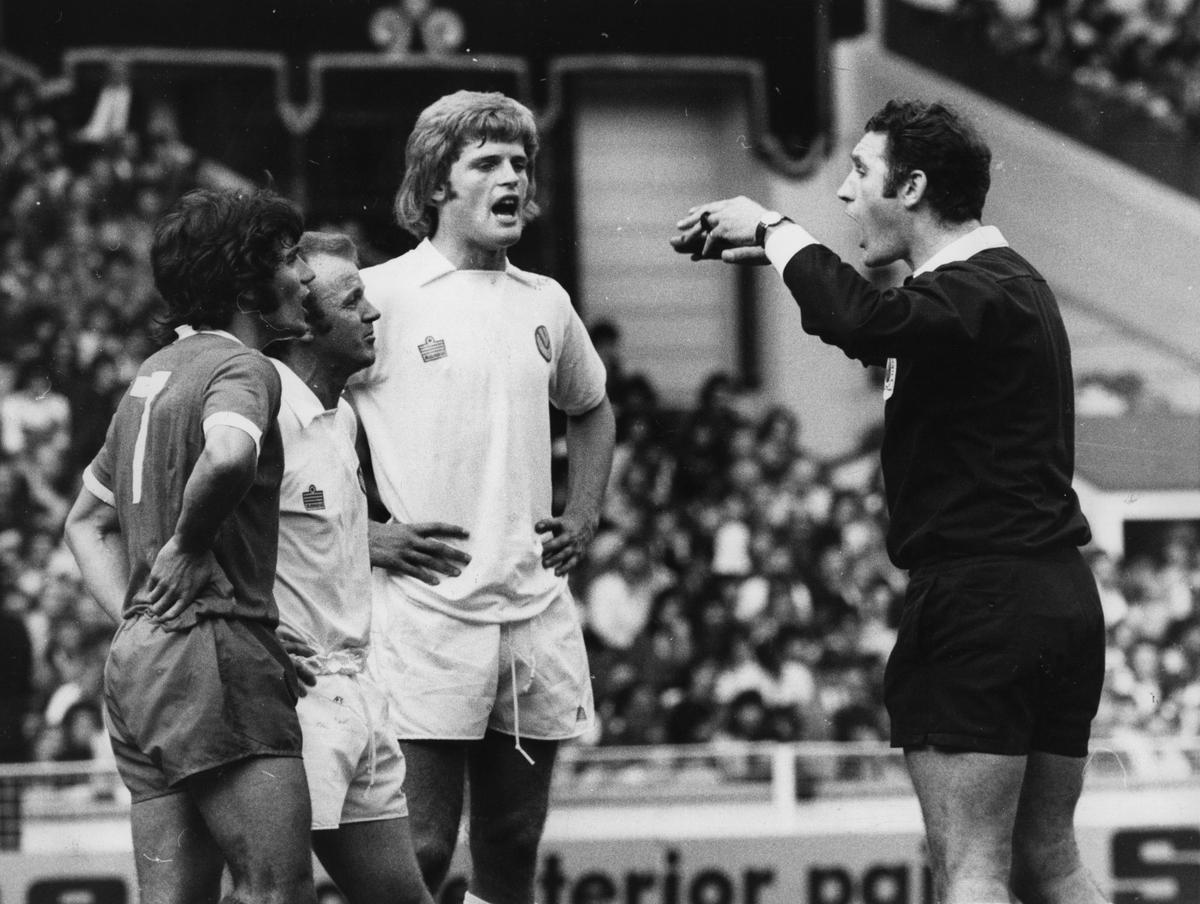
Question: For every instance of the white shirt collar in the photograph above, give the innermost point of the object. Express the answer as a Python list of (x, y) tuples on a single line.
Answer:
[(962, 249), (298, 396), (432, 264), (186, 329)]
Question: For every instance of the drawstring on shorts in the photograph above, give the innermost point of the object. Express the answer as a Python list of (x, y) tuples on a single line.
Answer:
[(516, 691)]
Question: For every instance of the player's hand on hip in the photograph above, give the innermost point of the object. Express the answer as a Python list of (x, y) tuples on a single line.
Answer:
[(568, 541), (176, 579), (415, 550), (715, 227), (299, 652)]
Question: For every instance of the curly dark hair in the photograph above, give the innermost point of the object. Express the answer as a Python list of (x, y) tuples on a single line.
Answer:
[(215, 250), (936, 140)]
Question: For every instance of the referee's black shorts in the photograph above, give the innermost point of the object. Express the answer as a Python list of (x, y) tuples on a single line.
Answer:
[(998, 654)]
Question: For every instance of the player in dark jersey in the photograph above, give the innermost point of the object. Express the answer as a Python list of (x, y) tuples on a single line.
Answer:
[(175, 531), (999, 658)]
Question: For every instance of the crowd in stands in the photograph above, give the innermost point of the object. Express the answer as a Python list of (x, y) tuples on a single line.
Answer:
[(738, 588), (1143, 52)]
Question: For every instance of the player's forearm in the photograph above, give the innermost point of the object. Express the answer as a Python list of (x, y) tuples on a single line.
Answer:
[(590, 440), (214, 489), (94, 537), (381, 545)]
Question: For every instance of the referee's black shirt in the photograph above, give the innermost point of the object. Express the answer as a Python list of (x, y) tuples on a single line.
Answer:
[(979, 445)]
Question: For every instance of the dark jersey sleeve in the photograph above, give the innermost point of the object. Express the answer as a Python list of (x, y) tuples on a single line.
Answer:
[(927, 316)]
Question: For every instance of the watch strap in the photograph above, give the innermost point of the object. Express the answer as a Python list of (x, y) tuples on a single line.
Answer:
[(769, 219)]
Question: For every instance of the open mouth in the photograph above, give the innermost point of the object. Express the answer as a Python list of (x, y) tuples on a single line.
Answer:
[(507, 207)]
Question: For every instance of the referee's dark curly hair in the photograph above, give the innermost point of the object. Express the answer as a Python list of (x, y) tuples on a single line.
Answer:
[(216, 251), (935, 139)]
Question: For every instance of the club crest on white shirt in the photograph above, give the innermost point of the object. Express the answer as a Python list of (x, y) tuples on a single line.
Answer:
[(314, 499), (432, 349), (541, 336)]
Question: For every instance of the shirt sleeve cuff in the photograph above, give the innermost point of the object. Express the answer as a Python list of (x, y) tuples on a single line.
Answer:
[(240, 422), (784, 241), (97, 489)]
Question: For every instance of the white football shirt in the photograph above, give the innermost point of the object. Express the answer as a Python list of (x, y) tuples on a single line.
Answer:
[(323, 574), (456, 410)]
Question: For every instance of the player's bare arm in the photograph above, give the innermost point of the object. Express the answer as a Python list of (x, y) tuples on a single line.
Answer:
[(590, 439), (416, 551), (185, 564), (93, 533)]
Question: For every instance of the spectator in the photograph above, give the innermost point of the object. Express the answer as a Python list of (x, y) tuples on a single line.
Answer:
[(82, 735), (1112, 597), (702, 454), (34, 414), (618, 601), (742, 670), (16, 687)]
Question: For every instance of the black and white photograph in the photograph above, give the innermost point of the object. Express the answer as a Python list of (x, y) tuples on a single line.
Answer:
[(600, 452)]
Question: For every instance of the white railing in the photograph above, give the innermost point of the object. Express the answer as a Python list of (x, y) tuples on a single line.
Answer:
[(787, 773), (724, 771)]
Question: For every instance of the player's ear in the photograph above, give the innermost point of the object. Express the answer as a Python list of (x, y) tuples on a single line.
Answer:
[(912, 189), (439, 194), (245, 302)]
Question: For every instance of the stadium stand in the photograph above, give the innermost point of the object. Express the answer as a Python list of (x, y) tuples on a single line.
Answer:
[(1121, 76)]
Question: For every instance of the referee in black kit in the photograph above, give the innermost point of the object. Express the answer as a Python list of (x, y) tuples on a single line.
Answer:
[(998, 664)]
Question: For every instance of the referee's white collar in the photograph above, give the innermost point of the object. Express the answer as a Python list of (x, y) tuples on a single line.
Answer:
[(964, 248), (186, 329)]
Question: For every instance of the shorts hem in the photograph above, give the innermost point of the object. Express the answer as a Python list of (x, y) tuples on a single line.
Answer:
[(387, 817), (466, 738), (143, 796), (1074, 751), (237, 758), (967, 743)]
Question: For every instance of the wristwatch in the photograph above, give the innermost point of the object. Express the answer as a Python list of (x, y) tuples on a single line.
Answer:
[(769, 219)]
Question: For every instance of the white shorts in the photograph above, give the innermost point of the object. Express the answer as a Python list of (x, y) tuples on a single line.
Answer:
[(448, 679), (354, 765)]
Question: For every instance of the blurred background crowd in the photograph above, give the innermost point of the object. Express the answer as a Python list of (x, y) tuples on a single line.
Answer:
[(1143, 52), (738, 588)]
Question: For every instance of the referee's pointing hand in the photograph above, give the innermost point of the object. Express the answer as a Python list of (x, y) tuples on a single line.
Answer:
[(723, 230)]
